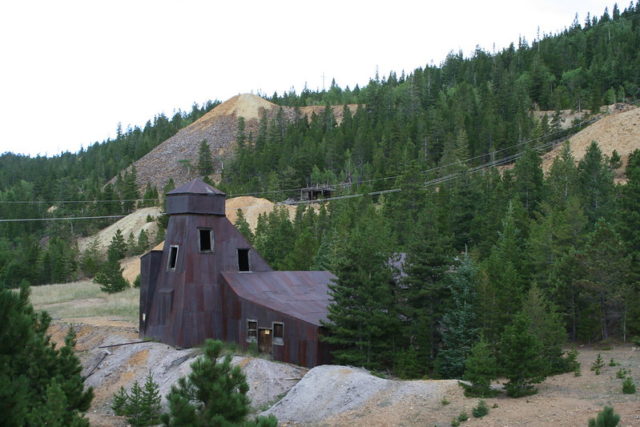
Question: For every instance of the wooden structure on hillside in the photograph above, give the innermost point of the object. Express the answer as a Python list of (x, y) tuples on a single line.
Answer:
[(316, 192), (209, 282)]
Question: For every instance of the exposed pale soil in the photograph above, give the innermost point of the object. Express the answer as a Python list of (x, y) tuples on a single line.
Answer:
[(177, 156), (341, 395), (618, 131), (132, 223)]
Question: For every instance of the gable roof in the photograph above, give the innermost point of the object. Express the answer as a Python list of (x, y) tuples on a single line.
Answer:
[(300, 294), (196, 186)]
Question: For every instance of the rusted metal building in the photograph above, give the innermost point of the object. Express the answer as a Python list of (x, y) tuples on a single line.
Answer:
[(209, 282)]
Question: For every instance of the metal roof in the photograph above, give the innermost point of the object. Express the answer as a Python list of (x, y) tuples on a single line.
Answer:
[(300, 294), (197, 186)]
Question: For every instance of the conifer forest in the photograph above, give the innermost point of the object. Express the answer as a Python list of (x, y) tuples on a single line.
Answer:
[(449, 243)]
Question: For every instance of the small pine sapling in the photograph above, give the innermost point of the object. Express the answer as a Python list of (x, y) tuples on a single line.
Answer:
[(606, 418), (455, 423), (481, 410), (463, 416), (613, 363), (628, 386), (597, 365), (621, 374)]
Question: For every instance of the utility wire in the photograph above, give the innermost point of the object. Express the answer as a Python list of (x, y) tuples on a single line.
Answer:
[(70, 218)]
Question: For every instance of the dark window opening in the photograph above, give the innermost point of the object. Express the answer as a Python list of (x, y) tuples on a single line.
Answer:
[(252, 331), (206, 240), (173, 257), (243, 260), (278, 333)]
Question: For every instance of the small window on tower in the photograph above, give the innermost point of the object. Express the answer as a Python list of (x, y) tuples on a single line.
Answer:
[(252, 331), (243, 260), (278, 333), (206, 240), (173, 257)]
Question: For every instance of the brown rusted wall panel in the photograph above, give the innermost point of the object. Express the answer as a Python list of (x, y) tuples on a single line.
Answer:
[(193, 302)]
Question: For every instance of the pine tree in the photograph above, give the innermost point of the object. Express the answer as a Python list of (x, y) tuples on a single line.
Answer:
[(243, 226), (362, 321), (424, 292), (141, 405), (480, 369), (205, 161), (606, 271), (547, 326), (39, 384), (459, 324), (214, 393), (529, 180), (596, 184), (118, 246), (143, 242), (606, 418), (521, 357)]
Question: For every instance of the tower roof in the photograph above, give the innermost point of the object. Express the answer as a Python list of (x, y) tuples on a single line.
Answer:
[(197, 186)]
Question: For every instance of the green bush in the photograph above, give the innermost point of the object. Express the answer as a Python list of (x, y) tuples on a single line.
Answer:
[(621, 374), (628, 387), (597, 365), (606, 418), (141, 406), (463, 417), (481, 410)]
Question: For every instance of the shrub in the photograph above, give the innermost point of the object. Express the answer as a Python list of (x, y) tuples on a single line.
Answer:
[(215, 393), (597, 365), (621, 374), (606, 418), (481, 410), (628, 387), (463, 416), (141, 406)]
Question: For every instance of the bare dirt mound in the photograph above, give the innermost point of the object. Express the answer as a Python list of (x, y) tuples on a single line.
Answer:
[(177, 156), (108, 369), (341, 395), (132, 223), (252, 207), (618, 131)]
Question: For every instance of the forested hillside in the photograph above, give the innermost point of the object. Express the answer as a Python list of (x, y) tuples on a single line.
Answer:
[(432, 249)]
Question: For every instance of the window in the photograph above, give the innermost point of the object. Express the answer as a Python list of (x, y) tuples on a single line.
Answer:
[(278, 333), (206, 239), (243, 260), (173, 257), (252, 331)]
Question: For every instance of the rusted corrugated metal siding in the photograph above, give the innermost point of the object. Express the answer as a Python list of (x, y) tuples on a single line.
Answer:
[(205, 296), (297, 299), (185, 297)]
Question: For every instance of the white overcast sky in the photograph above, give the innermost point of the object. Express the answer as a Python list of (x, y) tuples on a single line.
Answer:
[(70, 71)]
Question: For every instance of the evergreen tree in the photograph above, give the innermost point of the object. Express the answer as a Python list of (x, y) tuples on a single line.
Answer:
[(143, 242), (362, 322), (480, 369), (596, 184), (214, 393), (547, 326), (205, 160), (424, 292), (243, 226), (606, 268), (606, 418), (529, 180), (141, 406), (118, 246), (39, 384), (459, 324), (521, 357)]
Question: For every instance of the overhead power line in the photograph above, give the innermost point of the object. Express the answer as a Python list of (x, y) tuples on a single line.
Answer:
[(70, 218)]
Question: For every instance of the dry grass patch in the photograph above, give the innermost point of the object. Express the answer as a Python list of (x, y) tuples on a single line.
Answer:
[(85, 300)]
